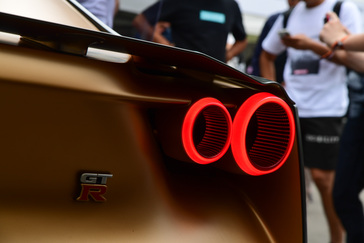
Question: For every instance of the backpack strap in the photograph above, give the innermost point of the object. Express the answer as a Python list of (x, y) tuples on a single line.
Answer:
[(337, 8), (286, 15)]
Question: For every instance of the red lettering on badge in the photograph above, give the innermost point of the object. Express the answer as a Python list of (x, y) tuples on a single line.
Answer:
[(96, 192)]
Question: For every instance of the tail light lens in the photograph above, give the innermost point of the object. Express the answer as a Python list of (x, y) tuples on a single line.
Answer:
[(263, 134), (206, 131)]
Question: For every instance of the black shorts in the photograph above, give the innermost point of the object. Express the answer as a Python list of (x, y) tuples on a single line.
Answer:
[(320, 141)]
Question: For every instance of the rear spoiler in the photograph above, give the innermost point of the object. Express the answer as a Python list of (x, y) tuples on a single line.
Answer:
[(77, 41)]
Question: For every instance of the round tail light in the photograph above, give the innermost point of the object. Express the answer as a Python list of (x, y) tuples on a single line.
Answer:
[(206, 131), (263, 134)]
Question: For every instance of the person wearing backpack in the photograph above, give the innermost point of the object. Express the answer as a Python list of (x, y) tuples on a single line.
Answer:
[(318, 86), (281, 59), (349, 180)]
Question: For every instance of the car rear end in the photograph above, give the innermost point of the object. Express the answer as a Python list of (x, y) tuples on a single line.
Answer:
[(105, 138)]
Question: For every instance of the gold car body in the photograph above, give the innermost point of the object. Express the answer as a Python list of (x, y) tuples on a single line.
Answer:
[(79, 102)]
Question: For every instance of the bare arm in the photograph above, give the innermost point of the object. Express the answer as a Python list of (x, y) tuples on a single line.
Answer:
[(266, 63), (302, 42), (350, 52), (116, 8), (143, 27), (236, 48), (158, 37), (148, 32), (354, 42), (334, 31), (351, 59)]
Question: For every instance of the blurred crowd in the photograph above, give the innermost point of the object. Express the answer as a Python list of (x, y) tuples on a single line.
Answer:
[(314, 49)]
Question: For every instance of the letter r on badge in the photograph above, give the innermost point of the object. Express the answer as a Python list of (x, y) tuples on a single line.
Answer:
[(96, 192)]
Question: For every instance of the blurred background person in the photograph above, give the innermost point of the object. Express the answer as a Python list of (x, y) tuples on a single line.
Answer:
[(318, 86), (149, 27), (104, 10), (280, 61), (199, 25), (349, 179)]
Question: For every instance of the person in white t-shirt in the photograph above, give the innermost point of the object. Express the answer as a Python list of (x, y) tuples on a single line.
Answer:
[(318, 86)]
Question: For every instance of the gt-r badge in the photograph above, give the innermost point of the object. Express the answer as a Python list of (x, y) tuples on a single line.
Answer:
[(94, 186)]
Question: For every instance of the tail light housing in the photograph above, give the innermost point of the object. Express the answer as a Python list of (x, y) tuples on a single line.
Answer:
[(263, 134)]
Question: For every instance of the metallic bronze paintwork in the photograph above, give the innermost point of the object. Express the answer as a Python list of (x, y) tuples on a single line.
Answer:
[(63, 115), (55, 11)]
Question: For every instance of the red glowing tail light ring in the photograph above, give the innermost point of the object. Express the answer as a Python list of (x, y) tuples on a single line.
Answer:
[(263, 134), (206, 131)]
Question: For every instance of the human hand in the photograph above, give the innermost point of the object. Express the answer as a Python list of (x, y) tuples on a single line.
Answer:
[(300, 41), (158, 37), (161, 26), (333, 30)]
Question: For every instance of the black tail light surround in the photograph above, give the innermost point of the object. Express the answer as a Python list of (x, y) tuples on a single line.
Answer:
[(206, 131), (263, 134)]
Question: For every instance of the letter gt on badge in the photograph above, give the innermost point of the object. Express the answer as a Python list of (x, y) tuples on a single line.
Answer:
[(93, 185)]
